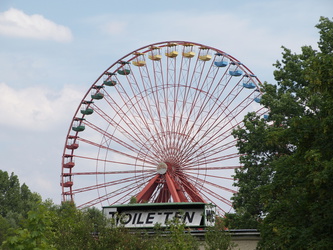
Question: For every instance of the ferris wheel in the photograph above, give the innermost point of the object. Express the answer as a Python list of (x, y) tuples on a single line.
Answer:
[(156, 126)]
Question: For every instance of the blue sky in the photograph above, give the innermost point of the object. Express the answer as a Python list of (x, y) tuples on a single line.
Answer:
[(51, 52)]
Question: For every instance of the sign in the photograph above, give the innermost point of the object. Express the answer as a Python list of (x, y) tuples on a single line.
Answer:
[(149, 214)]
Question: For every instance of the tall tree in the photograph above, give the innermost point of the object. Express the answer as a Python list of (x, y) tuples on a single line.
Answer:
[(15, 198), (35, 233), (285, 187), (15, 202)]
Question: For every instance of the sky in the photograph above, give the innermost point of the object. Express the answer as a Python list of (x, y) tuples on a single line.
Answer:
[(51, 52)]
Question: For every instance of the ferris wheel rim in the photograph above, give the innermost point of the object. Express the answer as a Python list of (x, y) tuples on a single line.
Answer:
[(130, 57)]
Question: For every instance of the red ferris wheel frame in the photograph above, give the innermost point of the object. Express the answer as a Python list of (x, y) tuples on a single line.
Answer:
[(160, 126)]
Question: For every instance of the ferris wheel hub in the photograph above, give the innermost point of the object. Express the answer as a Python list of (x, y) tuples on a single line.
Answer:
[(162, 168)]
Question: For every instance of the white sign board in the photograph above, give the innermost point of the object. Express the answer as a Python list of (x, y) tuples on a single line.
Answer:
[(192, 217)]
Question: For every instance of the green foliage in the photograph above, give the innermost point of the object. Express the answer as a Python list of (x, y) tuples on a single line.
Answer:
[(217, 239), (180, 237), (89, 229), (15, 202), (73, 228), (15, 198), (285, 187), (35, 233), (133, 200), (50, 226), (4, 228)]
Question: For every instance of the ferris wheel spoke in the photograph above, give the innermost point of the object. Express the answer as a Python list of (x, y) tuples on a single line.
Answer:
[(190, 188), (210, 193), (197, 106), (116, 139), (232, 115), (159, 80), (107, 161), (116, 192), (217, 148), (210, 183), (124, 197), (112, 172), (210, 168), (208, 196), (98, 145), (132, 131), (156, 112), (126, 131), (208, 175), (218, 159), (215, 104), (155, 81), (215, 130), (217, 134), (212, 155), (221, 137), (212, 150), (174, 101), (182, 92), (153, 104), (108, 196), (225, 103), (189, 96), (145, 111), (107, 184)]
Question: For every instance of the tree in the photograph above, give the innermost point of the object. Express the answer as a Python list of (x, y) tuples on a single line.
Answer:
[(216, 238), (15, 202), (73, 228), (179, 237), (34, 234), (285, 186), (13, 197)]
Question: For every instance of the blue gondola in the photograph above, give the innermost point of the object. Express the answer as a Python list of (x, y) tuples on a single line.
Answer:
[(237, 72), (234, 70), (249, 85), (257, 99), (222, 61)]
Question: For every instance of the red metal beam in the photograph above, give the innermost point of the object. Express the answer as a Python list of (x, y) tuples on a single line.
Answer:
[(164, 194), (148, 190), (191, 190), (171, 187)]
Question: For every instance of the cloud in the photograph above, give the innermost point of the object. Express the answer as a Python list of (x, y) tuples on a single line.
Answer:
[(35, 108), (15, 23), (33, 125), (255, 43), (115, 27), (235, 35)]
